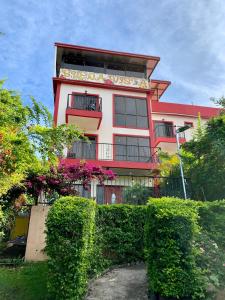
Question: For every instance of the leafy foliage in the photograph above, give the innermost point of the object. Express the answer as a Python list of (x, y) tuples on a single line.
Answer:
[(204, 161), (169, 234), (137, 194), (70, 233), (1, 223), (27, 139), (61, 179), (121, 231)]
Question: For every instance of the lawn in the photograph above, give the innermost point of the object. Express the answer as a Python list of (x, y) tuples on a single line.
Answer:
[(26, 282)]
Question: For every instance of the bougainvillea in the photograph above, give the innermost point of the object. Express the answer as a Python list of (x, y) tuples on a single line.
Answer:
[(62, 179)]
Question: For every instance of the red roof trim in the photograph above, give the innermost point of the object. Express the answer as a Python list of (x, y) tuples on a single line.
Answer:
[(111, 52), (184, 109)]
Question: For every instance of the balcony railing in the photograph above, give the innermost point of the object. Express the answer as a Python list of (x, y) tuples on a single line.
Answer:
[(84, 102), (167, 130), (105, 70), (113, 152)]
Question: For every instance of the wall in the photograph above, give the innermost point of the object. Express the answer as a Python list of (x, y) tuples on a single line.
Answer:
[(36, 235), (106, 130), (179, 121)]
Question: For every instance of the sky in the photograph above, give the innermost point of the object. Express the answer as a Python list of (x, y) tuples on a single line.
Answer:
[(188, 35)]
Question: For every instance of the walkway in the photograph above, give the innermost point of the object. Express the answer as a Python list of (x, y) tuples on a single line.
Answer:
[(120, 284)]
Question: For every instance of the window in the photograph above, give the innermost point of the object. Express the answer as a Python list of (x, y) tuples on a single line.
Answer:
[(81, 149), (164, 129), (130, 112), (85, 102), (130, 148)]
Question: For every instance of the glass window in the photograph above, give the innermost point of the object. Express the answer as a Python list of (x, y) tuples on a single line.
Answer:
[(129, 148), (85, 150), (164, 129), (131, 112)]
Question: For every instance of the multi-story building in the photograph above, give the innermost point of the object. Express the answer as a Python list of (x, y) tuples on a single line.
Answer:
[(113, 98)]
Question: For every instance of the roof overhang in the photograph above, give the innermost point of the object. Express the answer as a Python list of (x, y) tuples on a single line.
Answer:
[(132, 58), (159, 87)]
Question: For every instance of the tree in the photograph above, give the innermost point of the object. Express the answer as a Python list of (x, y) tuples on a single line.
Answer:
[(204, 161), (62, 179), (28, 141)]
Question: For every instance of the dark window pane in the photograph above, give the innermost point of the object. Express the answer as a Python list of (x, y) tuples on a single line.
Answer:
[(142, 122), (120, 105), (120, 120), (131, 121), (141, 107), (143, 141), (131, 106), (120, 140), (132, 140)]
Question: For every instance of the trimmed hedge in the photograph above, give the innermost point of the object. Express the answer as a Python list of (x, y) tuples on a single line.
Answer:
[(212, 220), (121, 232), (171, 228), (70, 231)]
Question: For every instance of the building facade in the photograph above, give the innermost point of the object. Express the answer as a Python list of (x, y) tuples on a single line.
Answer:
[(113, 98)]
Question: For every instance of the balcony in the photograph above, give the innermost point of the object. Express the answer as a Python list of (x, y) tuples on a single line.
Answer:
[(84, 110), (114, 155), (165, 136)]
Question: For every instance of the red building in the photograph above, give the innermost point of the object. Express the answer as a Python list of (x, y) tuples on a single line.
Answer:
[(112, 97)]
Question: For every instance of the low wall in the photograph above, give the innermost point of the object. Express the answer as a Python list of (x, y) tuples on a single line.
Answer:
[(36, 234)]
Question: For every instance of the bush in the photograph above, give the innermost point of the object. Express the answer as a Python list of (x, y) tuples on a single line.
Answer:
[(121, 232), (211, 243), (1, 223), (170, 231), (70, 231)]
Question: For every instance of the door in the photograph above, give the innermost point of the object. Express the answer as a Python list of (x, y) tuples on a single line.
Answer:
[(113, 194)]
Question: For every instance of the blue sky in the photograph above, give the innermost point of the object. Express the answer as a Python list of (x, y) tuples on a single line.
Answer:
[(188, 35)]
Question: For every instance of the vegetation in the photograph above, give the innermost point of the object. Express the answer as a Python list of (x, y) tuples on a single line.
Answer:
[(70, 239), (2, 221), (185, 248), (28, 141), (137, 194), (170, 231), (28, 281), (121, 231)]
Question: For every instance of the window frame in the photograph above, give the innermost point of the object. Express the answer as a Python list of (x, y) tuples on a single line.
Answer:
[(130, 127), (131, 136), (96, 146), (171, 123)]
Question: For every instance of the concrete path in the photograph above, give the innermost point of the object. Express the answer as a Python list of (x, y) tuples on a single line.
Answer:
[(120, 284)]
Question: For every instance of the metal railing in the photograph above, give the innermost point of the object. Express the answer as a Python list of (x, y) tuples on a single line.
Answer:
[(84, 102), (113, 152), (167, 130)]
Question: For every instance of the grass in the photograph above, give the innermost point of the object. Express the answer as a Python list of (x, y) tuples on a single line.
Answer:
[(26, 282)]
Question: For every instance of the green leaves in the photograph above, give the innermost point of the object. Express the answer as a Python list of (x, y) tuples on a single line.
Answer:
[(70, 234), (28, 141)]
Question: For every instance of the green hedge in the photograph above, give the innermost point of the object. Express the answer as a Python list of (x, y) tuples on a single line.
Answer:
[(121, 232), (171, 228), (212, 220), (70, 231), (1, 223)]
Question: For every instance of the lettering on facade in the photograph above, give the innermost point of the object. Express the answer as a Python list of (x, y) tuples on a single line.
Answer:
[(103, 78)]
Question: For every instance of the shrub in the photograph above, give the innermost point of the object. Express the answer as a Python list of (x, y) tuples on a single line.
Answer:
[(121, 232), (70, 230), (1, 223), (211, 243), (170, 230)]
